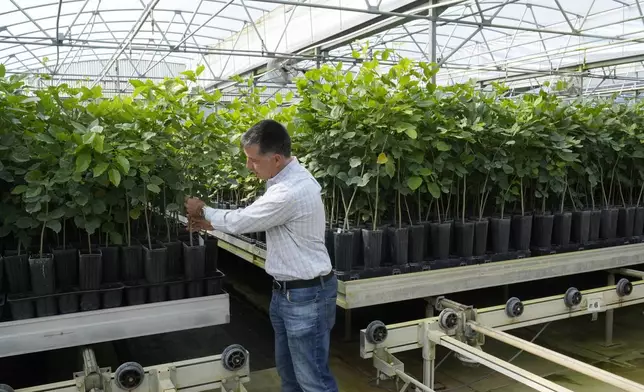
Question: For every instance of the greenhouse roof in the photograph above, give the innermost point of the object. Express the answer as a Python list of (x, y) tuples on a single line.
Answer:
[(596, 45)]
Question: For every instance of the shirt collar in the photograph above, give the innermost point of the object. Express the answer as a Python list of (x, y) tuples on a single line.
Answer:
[(279, 177)]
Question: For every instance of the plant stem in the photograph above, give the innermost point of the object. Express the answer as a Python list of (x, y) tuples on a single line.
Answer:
[(165, 215), (411, 222), (574, 205), (145, 213), (619, 184), (640, 195), (563, 197), (128, 228), (42, 232), (464, 190), (375, 206), (522, 205), (399, 204), (64, 232), (89, 242), (420, 209)]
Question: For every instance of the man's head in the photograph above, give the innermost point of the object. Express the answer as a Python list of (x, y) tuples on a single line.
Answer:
[(268, 148)]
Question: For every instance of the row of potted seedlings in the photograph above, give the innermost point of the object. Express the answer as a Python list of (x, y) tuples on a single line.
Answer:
[(74, 278)]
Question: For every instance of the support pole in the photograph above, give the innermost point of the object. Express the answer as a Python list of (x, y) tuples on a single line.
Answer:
[(429, 358), (347, 325), (431, 32), (591, 371), (429, 307), (609, 316)]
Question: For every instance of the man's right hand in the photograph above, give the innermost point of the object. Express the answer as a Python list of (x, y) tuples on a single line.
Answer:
[(199, 224)]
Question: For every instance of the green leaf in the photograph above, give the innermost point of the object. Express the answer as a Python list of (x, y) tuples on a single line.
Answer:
[(81, 200), (98, 143), (100, 169), (414, 182), (43, 137), (116, 238), (172, 207), (92, 224), (83, 161), (434, 189), (348, 135), (442, 146), (278, 98), (289, 96), (411, 133), (135, 213), (98, 206), (115, 177), (390, 169), (355, 54), (382, 158), (20, 155), (123, 163), (2, 70), (25, 223), (156, 180), (88, 138), (20, 189), (56, 214), (33, 192), (200, 69), (355, 162), (54, 225), (154, 188)]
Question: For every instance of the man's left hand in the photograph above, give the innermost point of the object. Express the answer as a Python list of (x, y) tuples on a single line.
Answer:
[(194, 207)]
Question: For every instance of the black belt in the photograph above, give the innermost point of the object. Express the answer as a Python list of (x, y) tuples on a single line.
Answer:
[(300, 284)]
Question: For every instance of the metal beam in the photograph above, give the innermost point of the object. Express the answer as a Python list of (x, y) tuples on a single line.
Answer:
[(128, 39)]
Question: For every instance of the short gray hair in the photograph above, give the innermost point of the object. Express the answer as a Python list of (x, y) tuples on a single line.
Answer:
[(270, 136)]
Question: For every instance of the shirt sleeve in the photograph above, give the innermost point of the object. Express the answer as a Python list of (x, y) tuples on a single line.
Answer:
[(272, 209)]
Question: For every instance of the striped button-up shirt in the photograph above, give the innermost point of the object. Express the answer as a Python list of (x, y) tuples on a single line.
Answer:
[(291, 213)]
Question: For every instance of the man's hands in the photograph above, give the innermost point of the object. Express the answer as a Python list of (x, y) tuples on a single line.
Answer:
[(194, 207), (196, 220)]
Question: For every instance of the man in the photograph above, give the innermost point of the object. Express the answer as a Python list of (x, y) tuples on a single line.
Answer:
[(291, 213)]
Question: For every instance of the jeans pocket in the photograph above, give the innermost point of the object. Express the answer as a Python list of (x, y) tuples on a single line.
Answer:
[(303, 296)]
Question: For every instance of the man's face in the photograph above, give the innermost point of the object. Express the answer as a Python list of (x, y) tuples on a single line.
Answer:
[(265, 166)]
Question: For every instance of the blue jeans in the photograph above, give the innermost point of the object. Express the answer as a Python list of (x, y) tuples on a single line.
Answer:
[(302, 319)]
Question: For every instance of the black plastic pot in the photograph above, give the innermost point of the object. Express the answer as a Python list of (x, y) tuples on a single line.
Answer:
[(542, 231), (608, 225), (68, 303), (561, 228), (1, 279), (356, 259), (580, 227), (464, 238), (638, 222), (156, 293), (156, 263), (212, 253), (372, 248), (90, 270), (521, 231), (595, 225), (135, 293), (194, 261), (343, 250), (416, 250), (398, 239), (194, 289), (328, 242), (111, 264), (176, 291), (480, 236), (112, 295), (441, 239), (46, 306), (213, 284), (21, 306), (625, 222), (42, 274), (17, 271), (500, 235), (427, 235), (66, 264), (90, 301), (131, 263), (175, 257)]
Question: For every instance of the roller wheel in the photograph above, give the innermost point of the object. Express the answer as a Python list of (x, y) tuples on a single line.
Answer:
[(234, 357), (448, 319), (624, 287), (5, 388), (129, 376), (376, 332), (514, 307), (572, 297)]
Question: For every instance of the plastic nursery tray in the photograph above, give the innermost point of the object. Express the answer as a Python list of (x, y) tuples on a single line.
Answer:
[(25, 306), (141, 292)]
